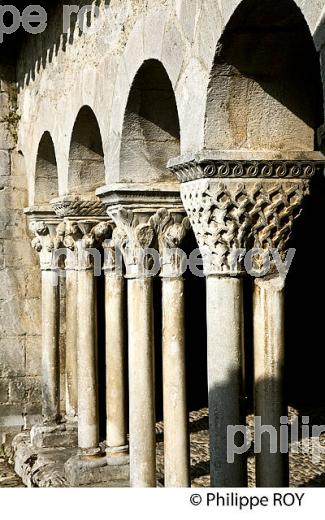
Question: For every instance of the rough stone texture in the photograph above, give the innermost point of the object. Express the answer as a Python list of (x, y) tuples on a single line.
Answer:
[(63, 436), (109, 472), (98, 71), (19, 282), (303, 471), (42, 467)]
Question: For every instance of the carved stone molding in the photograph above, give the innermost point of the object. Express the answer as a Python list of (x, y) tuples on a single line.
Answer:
[(231, 216), (113, 259), (232, 164), (194, 170), (138, 235), (238, 200), (70, 206)]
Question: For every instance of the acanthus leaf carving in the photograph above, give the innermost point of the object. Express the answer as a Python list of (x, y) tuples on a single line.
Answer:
[(171, 230), (133, 237), (44, 242)]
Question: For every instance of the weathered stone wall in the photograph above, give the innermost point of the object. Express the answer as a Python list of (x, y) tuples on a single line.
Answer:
[(19, 280), (60, 73)]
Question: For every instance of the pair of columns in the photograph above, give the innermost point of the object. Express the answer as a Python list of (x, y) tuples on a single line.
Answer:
[(137, 231), (242, 209)]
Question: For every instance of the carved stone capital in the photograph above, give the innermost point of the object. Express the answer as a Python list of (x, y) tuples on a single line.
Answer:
[(231, 217), (132, 208), (113, 265), (133, 235), (47, 238), (71, 206), (81, 239), (171, 229), (240, 200)]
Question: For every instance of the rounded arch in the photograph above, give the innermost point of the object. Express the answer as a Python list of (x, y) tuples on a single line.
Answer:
[(86, 155), (151, 133), (46, 171), (265, 89)]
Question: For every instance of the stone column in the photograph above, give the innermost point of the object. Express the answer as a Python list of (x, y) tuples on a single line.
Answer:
[(269, 353), (115, 295), (44, 244), (71, 359), (225, 349), (88, 260), (133, 236), (171, 231), (236, 203), (71, 350), (220, 234)]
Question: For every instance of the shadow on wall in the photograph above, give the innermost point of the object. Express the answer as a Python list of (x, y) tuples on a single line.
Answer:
[(86, 158), (46, 173), (151, 134), (265, 90), (44, 47)]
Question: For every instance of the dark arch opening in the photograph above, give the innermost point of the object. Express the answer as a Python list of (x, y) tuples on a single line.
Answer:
[(86, 158), (265, 90), (46, 173), (151, 134)]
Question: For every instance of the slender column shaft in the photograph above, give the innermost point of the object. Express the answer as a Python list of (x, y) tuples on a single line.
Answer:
[(71, 343), (271, 468), (176, 435), (88, 420), (50, 346), (141, 384), (225, 343), (115, 362)]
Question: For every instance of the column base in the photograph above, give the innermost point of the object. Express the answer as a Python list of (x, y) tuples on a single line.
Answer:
[(117, 451), (63, 435), (97, 471)]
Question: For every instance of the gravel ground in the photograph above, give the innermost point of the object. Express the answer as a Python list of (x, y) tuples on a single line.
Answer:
[(303, 471)]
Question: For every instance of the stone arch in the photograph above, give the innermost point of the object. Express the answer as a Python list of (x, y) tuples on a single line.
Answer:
[(46, 171), (265, 89), (151, 133), (86, 155)]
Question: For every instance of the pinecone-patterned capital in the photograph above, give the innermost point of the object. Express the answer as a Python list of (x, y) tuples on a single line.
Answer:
[(231, 217)]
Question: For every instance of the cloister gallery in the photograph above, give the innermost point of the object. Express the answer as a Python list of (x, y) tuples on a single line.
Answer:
[(189, 128)]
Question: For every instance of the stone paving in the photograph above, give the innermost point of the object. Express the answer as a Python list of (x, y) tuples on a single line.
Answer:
[(303, 472)]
